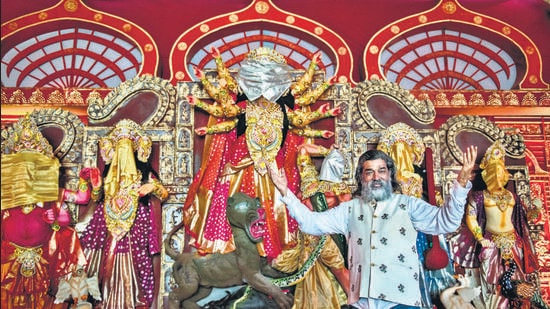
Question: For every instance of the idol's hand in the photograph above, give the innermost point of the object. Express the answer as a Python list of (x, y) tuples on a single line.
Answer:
[(49, 216), (316, 57), (215, 52), (485, 243), (198, 73), (327, 134), (201, 131), (326, 110), (146, 189), (308, 148)]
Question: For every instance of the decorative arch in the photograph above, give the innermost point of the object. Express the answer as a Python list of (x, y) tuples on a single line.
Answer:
[(46, 49), (438, 42), (459, 131), (381, 103), (261, 23), (155, 97)]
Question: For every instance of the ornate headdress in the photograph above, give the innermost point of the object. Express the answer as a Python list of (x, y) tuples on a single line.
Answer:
[(30, 171), (494, 155), (400, 132), (26, 137), (126, 129), (264, 72), (265, 54)]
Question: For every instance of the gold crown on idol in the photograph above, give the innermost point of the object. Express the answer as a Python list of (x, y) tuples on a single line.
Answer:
[(26, 137), (126, 129), (494, 155), (401, 132), (266, 54)]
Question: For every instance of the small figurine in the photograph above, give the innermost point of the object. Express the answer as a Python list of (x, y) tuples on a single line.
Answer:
[(461, 295), (78, 286)]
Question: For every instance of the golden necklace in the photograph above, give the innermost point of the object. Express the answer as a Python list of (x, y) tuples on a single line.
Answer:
[(263, 133), (501, 199)]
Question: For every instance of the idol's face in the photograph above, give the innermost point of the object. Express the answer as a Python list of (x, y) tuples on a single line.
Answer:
[(495, 176), (376, 182)]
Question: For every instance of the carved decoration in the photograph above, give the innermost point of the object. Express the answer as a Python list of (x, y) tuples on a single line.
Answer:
[(545, 99), (17, 97), (458, 100), (448, 132), (56, 97), (75, 97), (70, 148), (477, 99), (37, 97), (117, 98), (94, 98), (529, 99), (421, 111), (4, 97)]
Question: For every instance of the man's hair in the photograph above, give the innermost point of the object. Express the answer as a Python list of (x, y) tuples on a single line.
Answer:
[(375, 154)]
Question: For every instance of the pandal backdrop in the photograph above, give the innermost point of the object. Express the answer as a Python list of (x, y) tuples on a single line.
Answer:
[(73, 121)]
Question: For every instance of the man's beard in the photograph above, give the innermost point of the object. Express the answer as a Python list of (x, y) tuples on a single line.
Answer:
[(378, 190)]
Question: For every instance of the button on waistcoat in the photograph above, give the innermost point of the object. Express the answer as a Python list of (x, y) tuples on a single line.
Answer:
[(383, 260)]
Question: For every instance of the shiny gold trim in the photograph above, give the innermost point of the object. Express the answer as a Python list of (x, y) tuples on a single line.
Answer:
[(421, 111), (451, 129), (505, 242), (118, 97)]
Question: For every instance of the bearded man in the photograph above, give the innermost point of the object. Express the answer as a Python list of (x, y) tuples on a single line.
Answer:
[(381, 226)]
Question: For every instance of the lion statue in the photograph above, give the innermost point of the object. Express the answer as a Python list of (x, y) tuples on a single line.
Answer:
[(197, 275)]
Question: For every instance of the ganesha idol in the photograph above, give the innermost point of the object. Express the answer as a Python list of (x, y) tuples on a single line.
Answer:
[(38, 245)]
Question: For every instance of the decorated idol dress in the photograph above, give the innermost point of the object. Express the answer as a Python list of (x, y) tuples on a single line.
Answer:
[(327, 280), (122, 237), (240, 150), (38, 245)]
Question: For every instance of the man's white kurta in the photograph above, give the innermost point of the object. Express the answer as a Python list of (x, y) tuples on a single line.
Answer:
[(381, 237)]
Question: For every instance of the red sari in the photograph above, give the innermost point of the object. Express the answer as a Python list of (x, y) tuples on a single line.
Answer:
[(227, 167)]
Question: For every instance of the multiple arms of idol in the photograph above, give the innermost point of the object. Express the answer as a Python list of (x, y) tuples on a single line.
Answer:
[(226, 109)]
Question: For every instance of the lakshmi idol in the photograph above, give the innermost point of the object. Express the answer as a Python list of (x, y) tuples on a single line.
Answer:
[(38, 245), (121, 238)]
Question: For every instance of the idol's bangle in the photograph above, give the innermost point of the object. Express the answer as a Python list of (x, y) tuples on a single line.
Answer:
[(96, 194), (159, 190), (478, 235), (55, 226), (82, 185)]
